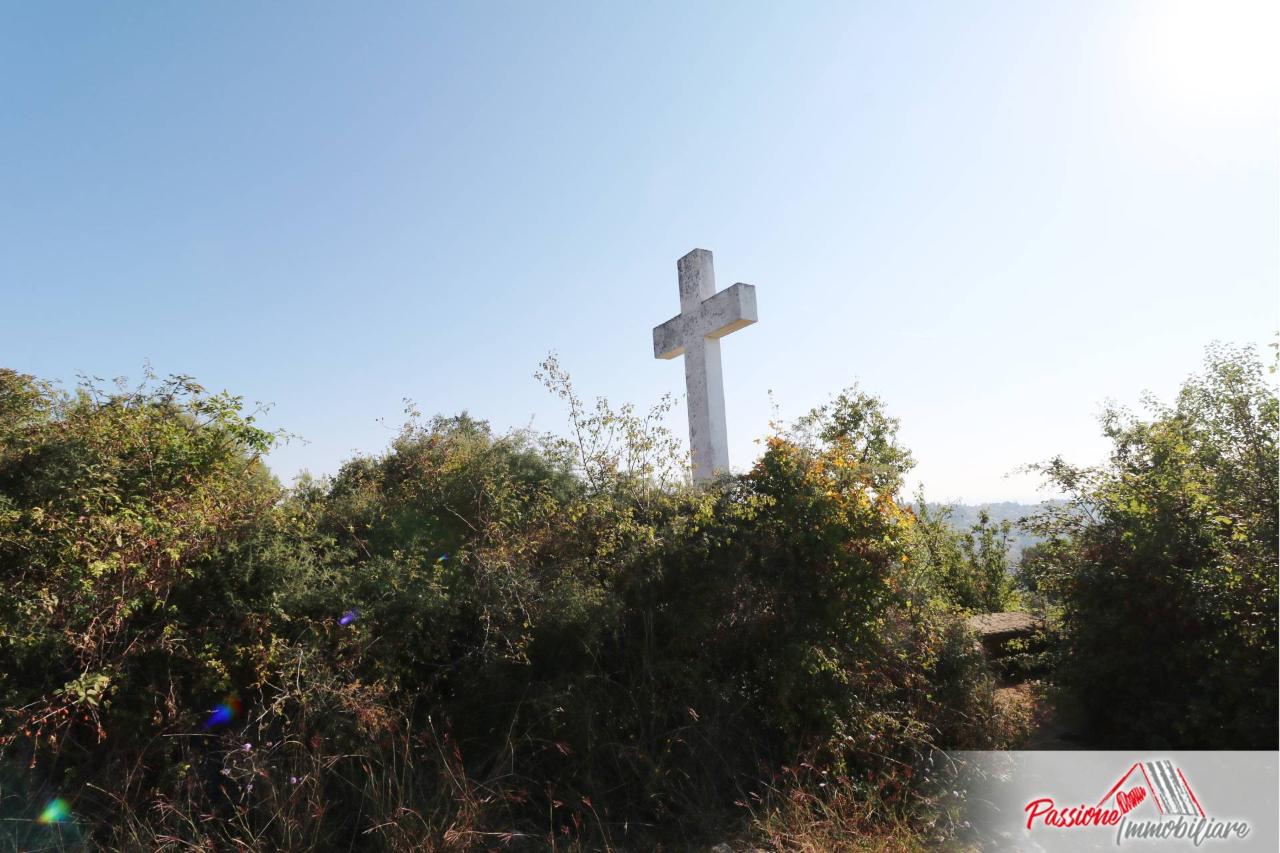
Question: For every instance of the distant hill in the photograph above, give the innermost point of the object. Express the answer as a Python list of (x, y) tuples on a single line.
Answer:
[(964, 516)]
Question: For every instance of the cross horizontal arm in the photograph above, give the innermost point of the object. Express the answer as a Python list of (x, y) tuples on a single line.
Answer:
[(668, 339), (728, 311), (716, 316)]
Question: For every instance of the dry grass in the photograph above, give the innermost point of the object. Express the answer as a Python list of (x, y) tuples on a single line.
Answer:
[(809, 810), (834, 819)]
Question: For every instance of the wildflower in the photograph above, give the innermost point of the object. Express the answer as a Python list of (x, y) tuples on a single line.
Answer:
[(248, 747)]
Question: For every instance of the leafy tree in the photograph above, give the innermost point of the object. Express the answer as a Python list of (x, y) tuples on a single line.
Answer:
[(1161, 569), (966, 569), (986, 551), (867, 436)]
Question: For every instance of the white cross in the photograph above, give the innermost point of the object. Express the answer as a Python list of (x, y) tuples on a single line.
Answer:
[(705, 317)]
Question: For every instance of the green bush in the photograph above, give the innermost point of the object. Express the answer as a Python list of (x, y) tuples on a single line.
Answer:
[(1161, 569), (121, 520), (969, 570), (545, 638)]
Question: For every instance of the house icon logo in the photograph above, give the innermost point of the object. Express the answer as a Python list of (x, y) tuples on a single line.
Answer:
[(1158, 781)]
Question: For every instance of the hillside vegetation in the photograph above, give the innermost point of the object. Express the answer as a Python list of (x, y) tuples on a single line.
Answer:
[(511, 641), (1009, 515), (1159, 572)]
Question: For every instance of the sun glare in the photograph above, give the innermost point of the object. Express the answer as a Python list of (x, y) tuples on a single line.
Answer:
[(1219, 57)]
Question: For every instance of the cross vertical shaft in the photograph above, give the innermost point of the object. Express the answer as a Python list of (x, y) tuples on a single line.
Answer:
[(705, 317), (703, 376), (697, 274), (704, 383)]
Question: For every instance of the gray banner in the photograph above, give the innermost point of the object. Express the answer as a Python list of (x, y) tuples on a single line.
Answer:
[(1067, 801)]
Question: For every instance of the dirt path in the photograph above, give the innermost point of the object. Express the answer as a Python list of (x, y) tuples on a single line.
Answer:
[(1011, 641), (1047, 729)]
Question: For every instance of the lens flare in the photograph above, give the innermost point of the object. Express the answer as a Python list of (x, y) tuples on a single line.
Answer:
[(225, 712), (349, 617), (56, 812)]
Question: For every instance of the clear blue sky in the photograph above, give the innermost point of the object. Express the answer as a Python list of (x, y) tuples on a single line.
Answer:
[(994, 215)]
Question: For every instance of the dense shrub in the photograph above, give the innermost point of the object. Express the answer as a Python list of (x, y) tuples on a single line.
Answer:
[(1161, 569), (967, 569), (470, 638), (121, 519)]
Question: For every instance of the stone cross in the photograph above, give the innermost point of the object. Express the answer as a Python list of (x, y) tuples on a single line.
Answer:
[(705, 317)]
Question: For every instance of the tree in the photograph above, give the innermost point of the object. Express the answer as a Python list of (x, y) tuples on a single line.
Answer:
[(1160, 570), (855, 423), (968, 569)]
